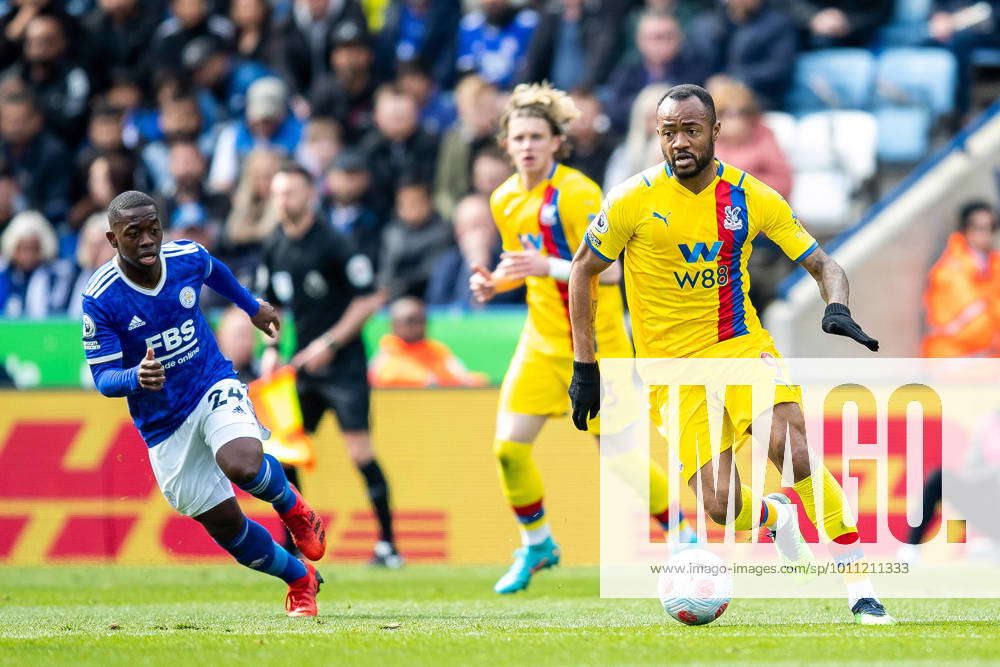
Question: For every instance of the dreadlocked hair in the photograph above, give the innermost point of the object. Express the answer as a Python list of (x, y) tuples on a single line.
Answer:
[(541, 100)]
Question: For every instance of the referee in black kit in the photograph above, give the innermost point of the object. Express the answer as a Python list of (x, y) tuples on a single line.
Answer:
[(314, 271)]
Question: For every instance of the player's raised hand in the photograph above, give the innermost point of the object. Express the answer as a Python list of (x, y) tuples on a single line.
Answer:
[(151, 374), (837, 320), (481, 284), (266, 318), (519, 264)]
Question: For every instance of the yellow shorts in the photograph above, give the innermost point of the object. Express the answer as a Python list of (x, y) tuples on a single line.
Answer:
[(695, 448), (538, 384)]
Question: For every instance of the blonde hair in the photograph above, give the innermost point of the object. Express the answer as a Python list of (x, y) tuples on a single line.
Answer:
[(541, 100), (729, 93), (25, 225)]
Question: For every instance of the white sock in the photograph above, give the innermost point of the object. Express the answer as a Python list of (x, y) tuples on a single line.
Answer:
[(859, 589), (536, 535)]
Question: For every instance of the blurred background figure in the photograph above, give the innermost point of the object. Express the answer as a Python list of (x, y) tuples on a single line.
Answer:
[(490, 168), (33, 283), (641, 148), (590, 137), (252, 218), (237, 340), (829, 23), (744, 140), (345, 90), (752, 41), (493, 41), (663, 58), (93, 251), (478, 111), (413, 241), (419, 31), (347, 185), (962, 298), (321, 142), (964, 26), (572, 47), (408, 358)]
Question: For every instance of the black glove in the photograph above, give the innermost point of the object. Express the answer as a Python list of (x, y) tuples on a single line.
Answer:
[(837, 320), (585, 392)]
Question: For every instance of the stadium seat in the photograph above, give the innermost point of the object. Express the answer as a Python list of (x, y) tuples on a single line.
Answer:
[(904, 134), (915, 88), (923, 77), (843, 141), (785, 127), (832, 79), (822, 200)]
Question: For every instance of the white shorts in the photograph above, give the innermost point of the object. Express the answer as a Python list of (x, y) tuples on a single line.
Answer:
[(184, 464)]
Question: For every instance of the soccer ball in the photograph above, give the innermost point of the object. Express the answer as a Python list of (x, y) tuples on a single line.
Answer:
[(695, 587)]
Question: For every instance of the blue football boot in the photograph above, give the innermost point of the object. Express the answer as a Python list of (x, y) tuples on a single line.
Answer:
[(527, 561)]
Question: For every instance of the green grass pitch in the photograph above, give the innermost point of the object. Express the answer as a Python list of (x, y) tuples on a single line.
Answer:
[(441, 615)]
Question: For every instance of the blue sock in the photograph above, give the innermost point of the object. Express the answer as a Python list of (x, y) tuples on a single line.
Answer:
[(271, 485), (254, 548)]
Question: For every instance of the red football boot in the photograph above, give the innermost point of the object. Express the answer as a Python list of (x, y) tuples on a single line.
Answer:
[(301, 598), (306, 528)]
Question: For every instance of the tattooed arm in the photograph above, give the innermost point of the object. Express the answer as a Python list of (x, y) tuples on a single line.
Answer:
[(583, 279)]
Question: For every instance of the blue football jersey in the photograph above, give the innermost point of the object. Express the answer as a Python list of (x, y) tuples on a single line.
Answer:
[(121, 320)]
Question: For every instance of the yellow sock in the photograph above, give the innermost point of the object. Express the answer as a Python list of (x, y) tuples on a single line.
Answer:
[(521, 482), (834, 502), (750, 515)]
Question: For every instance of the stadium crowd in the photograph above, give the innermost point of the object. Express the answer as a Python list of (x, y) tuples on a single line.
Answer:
[(391, 105)]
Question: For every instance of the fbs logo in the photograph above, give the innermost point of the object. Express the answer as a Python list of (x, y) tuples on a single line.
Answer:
[(700, 252), (172, 338)]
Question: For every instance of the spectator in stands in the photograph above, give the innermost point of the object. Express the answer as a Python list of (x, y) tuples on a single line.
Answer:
[(189, 20), (237, 338), (303, 38), (221, 77), (477, 243), (252, 22), (437, 110), (267, 123), (12, 200), (190, 221), (962, 26), (751, 41), (663, 59), (345, 92), (478, 112), (14, 24), (37, 159), (830, 23), (108, 176), (590, 137), (119, 33), (251, 219), (105, 135), (627, 14), (641, 148), (744, 140), (490, 168), (493, 40), (347, 185), (396, 146), (412, 243), (421, 31), (59, 84), (321, 142), (92, 252), (31, 278), (408, 358), (188, 169), (962, 299), (573, 46)]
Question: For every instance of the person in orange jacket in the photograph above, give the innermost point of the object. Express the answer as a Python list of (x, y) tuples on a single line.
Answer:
[(407, 358), (962, 300)]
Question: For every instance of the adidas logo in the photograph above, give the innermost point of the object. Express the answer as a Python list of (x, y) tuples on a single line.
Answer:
[(238, 410), (135, 323)]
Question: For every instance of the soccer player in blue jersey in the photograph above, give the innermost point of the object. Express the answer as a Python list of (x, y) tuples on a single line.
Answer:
[(145, 338)]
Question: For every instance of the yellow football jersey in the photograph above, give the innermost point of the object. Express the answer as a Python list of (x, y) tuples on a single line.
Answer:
[(686, 255), (552, 218)]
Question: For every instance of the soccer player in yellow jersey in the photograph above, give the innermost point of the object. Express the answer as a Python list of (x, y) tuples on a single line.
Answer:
[(542, 212), (686, 227)]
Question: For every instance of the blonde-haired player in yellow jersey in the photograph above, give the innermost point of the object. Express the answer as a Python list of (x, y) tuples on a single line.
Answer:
[(686, 227), (542, 212)]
